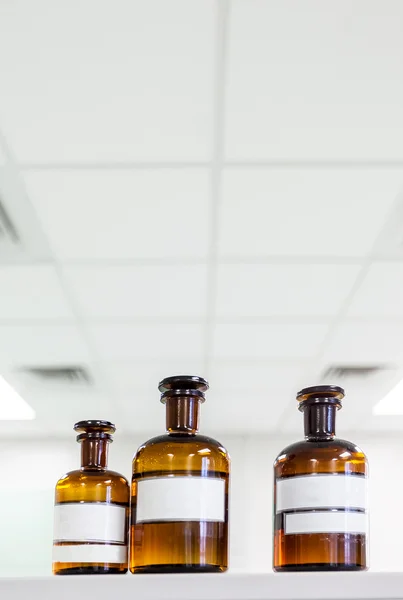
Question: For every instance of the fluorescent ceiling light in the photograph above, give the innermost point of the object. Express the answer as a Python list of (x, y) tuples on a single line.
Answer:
[(12, 406), (392, 403)]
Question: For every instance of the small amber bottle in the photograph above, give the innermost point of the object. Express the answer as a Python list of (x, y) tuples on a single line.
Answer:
[(180, 491), (91, 510), (320, 493)]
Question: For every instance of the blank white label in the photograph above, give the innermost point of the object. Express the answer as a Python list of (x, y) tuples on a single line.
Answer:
[(321, 491), (326, 522), (180, 499), (90, 553), (89, 522)]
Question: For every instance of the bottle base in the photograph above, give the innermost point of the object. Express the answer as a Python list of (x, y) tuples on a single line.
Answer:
[(91, 571), (177, 569), (319, 567)]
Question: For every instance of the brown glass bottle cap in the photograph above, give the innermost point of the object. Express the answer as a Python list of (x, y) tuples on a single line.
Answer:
[(332, 394), (183, 385), (320, 391), (94, 429)]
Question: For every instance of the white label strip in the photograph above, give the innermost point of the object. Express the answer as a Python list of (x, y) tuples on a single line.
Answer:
[(321, 491), (180, 499), (89, 523), (326, 522), (90, 553)]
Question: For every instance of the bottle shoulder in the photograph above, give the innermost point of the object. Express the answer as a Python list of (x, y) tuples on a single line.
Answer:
[(92, 486), (312, 456), (93, 476), (170, 452), (173, 440)]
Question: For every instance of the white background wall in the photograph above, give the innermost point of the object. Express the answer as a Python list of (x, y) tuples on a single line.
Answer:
[(29, 471)]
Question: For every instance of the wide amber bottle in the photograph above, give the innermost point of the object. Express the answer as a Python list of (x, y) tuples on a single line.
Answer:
[(91, 510), (320, 493), (179, 510)]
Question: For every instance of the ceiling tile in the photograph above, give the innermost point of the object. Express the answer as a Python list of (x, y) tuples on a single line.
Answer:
[(268, 341), (130, 378), (14, 431), (138, 214), (304, 212), (36, 345), (127, 342), (3, 159), (389, 245), (23, 240), (69, 406), (291, 423), (267, 377), (382, 425), (100, 81), (31, 292), (143, 414), (233, 412), (367, 343), (248, 290), (136, 292), (381, 292), (312, 81), (251, 397)]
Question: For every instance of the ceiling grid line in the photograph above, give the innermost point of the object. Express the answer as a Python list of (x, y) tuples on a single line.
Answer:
[(115, 166), (315, 164), (226, 163), (222, 21)]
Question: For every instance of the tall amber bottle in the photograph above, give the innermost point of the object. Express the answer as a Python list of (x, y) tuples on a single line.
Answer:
[(91, 510), (320, 493), (180, 491)]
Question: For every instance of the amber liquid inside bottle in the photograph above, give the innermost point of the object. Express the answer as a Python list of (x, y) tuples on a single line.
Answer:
[(187, 529), (320, 518), (91, 515)]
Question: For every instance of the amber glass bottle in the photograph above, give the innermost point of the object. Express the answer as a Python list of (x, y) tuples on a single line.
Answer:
[(91, 510), (179, 520), (320, 493)]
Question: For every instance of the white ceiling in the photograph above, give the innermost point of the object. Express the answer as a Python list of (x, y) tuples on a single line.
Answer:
[(209, 187)]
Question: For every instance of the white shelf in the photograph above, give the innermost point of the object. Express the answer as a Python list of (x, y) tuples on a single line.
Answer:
[(228, 586)]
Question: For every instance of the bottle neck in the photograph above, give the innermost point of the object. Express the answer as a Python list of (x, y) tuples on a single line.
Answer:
[(320, 421), (182, 414), (94, 453)]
